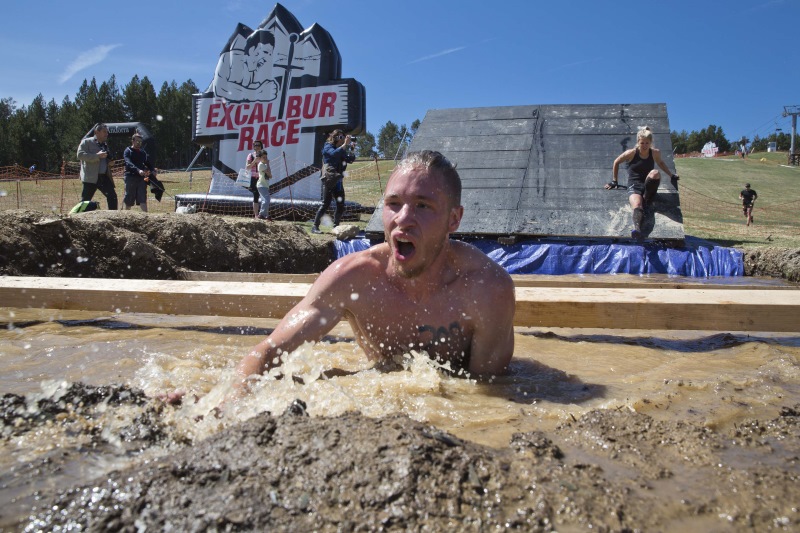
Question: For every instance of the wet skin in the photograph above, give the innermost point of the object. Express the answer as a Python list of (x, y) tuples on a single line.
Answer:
[(418, 290)]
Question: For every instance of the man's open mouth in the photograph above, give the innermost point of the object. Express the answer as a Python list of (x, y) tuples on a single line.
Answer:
[(404, 248)]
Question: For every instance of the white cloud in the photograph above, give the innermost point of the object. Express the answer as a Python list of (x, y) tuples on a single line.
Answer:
[(438, 54), (87, 59)]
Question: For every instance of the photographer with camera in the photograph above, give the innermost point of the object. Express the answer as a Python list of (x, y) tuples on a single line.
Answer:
[(336, 154), (95, 167)]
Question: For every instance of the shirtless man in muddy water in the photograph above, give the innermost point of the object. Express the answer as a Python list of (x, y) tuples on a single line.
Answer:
[(418, 290)]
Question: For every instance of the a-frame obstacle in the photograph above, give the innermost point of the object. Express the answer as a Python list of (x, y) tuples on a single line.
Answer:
[(539, 170)]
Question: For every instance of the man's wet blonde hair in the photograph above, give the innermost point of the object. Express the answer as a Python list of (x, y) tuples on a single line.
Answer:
[(432, 160)]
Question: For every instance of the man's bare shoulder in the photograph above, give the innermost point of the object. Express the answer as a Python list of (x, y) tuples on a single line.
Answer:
[(357, 266), (476, 266)]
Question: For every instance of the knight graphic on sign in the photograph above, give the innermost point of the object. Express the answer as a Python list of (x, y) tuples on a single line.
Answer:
[(244, 72), (281, 84)]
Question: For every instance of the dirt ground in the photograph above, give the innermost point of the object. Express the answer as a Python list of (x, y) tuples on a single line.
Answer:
[(606, 471), (130, 244), (774, 262), (119, 244)]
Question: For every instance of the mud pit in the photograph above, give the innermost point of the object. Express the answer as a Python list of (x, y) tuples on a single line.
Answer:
[(607, 471), (611, 469)]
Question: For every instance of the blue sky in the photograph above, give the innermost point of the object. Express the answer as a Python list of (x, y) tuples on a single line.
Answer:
[(732, 64)]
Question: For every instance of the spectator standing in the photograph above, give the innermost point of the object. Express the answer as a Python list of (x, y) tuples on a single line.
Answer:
[(335, 157), (252, 166), (138, 171), (264, 175), (95, 167)]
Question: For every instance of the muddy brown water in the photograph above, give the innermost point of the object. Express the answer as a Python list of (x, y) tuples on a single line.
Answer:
[(592, 430), (613, 430)]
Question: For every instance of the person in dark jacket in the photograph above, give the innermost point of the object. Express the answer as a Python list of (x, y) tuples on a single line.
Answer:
[(335, 156), (138, 171)]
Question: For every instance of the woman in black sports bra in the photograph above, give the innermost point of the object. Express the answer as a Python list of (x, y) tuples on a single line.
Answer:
[(643, 178)]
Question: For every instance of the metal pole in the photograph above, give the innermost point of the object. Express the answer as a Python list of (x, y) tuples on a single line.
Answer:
[(378, 171), (195, 159), (291, 196), (402, 139)]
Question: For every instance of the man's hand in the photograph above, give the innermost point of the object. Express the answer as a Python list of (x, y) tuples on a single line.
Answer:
[(612, 185), (102, 154), (172, 398)]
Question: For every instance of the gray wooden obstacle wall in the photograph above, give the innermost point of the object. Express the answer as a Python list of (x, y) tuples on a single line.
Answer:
[(539, 170)]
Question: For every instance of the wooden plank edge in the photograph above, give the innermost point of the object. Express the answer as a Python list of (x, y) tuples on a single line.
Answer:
[(684, 309), (524, 280)]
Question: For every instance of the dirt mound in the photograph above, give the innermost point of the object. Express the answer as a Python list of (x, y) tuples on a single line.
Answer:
[(607, 471), (128, 244), (131, 244), (774, 262)]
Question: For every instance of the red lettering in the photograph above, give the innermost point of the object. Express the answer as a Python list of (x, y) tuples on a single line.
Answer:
[(292, 134), (239, 108), (269, 116), (310, 113), (326, 108), (293, 107), (263, 134), (245, 139), (227, 117), (275, 140), (258, 113), (212, 115)]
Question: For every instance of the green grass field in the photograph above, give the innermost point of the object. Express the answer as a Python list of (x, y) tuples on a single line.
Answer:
[(709, 195)]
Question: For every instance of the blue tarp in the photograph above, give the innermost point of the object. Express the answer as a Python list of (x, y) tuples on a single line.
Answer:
[(697, 258)]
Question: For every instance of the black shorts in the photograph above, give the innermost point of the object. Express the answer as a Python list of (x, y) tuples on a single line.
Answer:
[(636, 187)]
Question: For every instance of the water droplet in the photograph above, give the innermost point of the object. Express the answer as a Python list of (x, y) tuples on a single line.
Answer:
[(354, 296)]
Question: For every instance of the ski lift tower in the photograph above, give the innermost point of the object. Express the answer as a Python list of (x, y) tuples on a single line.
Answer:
[(793, 110)]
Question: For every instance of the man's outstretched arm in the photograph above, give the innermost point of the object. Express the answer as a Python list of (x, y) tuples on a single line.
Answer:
[(309, 320)]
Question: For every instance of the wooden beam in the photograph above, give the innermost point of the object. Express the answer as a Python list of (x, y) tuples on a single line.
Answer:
[(619, 281), (637, 308), (248, 277), (210, 298), (680, 309)]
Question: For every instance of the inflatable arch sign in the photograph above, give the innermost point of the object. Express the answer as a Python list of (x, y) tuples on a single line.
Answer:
[(280, 84)]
